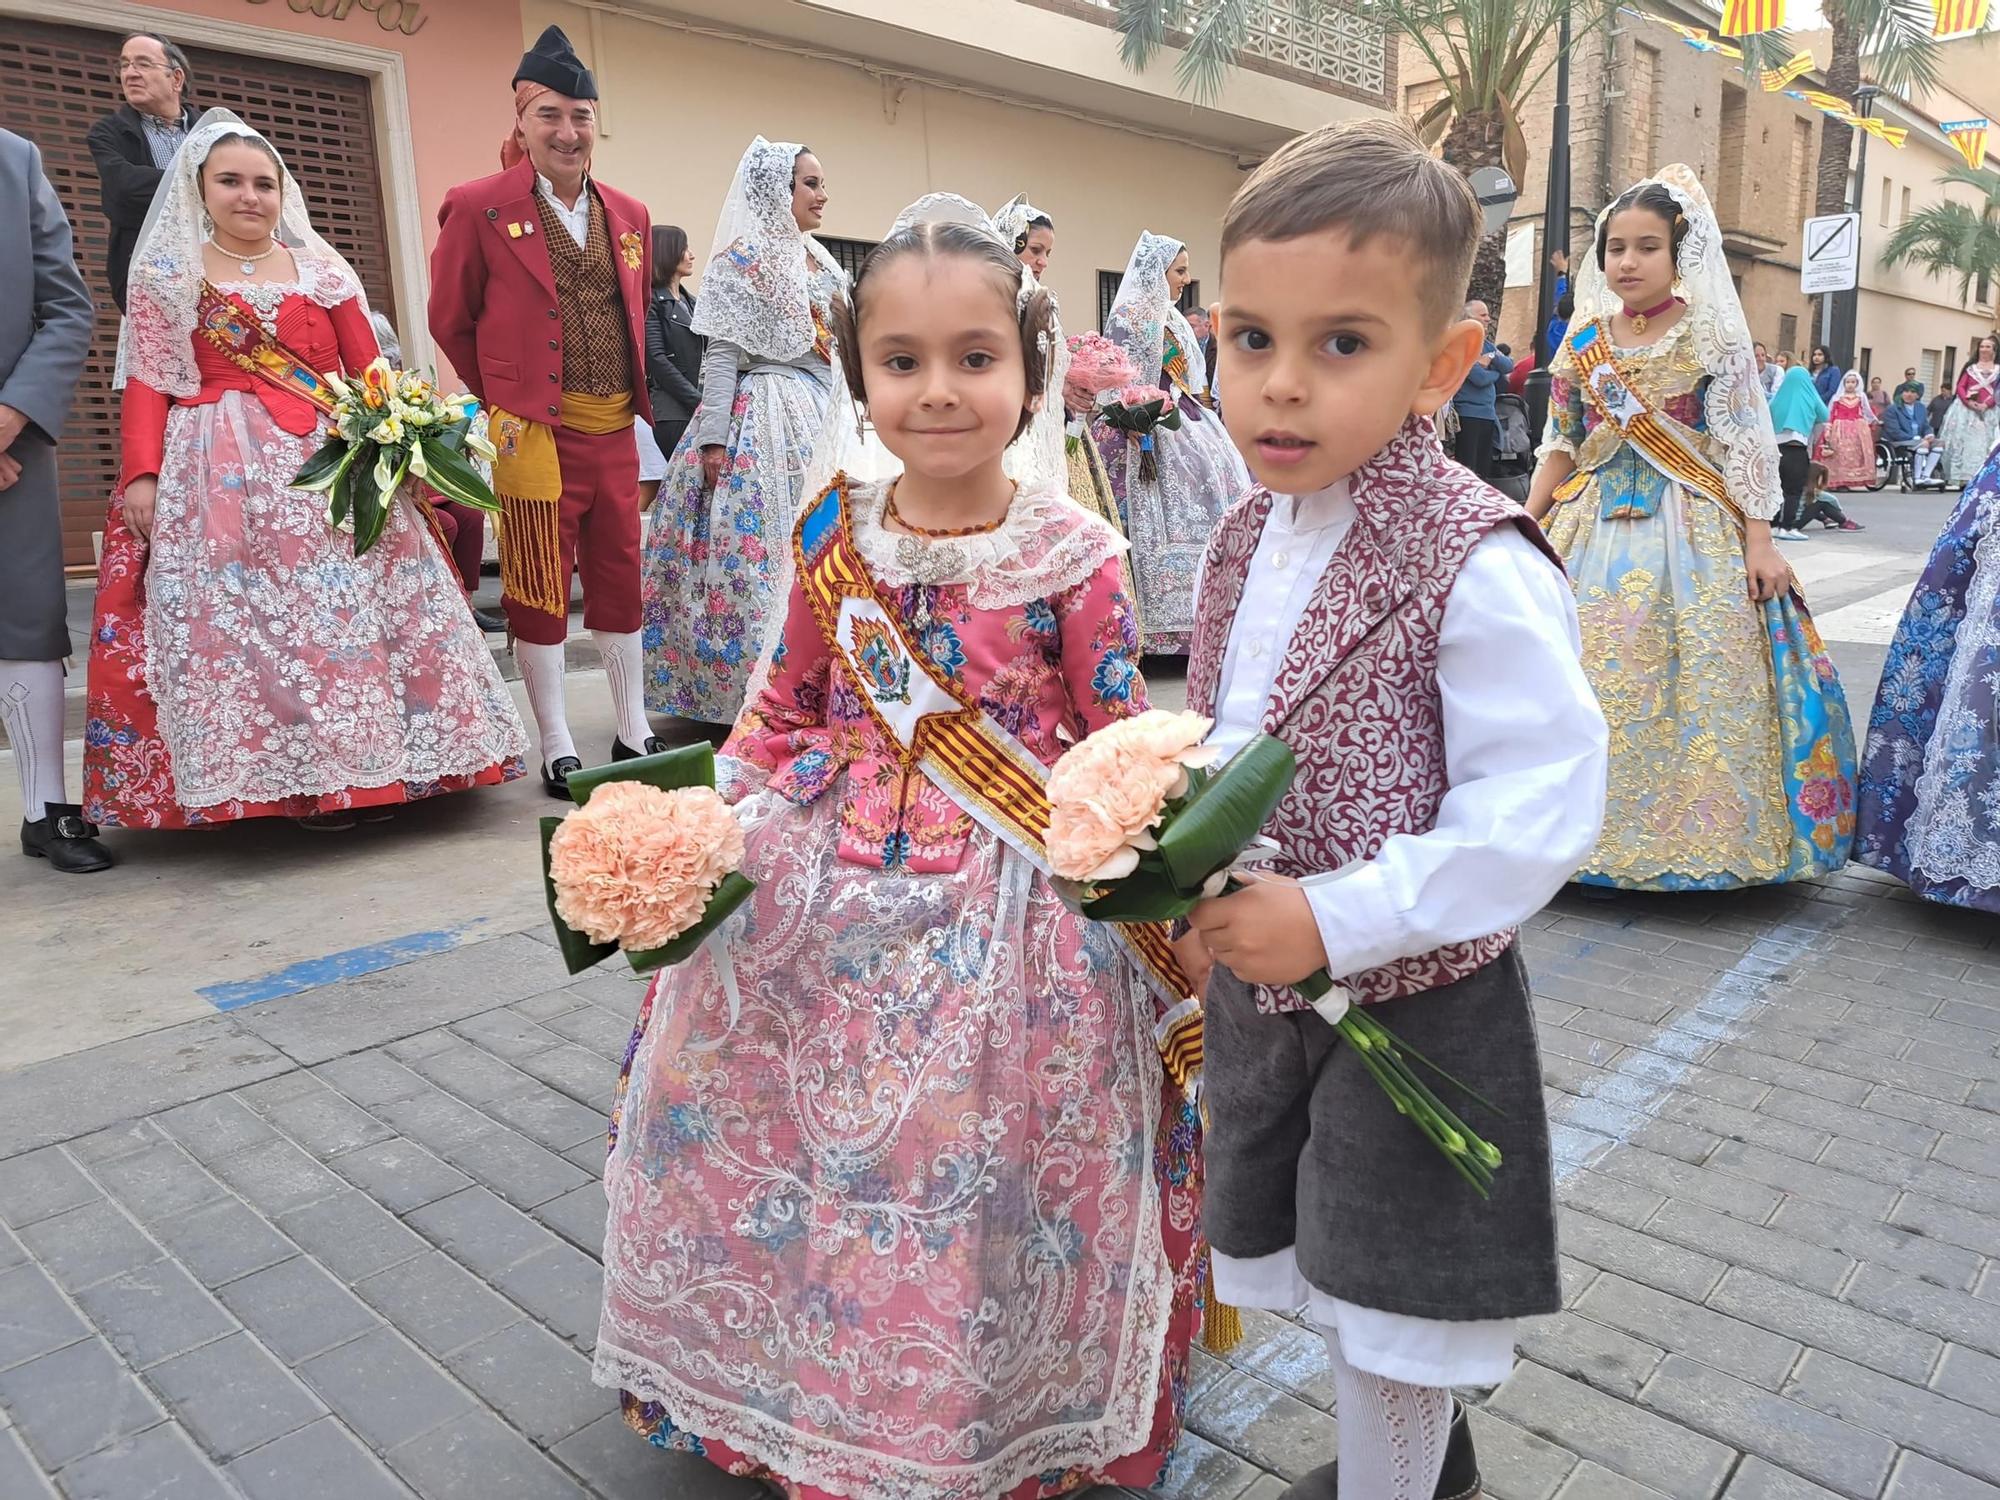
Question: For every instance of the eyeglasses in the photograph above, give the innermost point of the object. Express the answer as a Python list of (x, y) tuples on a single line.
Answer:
[(143, 65)]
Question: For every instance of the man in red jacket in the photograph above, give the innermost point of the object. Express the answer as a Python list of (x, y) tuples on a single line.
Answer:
[(538, 298)]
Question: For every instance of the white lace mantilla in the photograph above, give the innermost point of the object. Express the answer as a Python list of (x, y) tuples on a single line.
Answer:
[(1739, 414), (1048, 543)]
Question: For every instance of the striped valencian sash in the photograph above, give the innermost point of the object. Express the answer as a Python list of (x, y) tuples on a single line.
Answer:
[(245, 344), (942, 731), (1604, 385)]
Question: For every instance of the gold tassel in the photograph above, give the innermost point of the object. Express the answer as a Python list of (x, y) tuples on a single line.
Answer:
[(531, 554), (1221, 1324)]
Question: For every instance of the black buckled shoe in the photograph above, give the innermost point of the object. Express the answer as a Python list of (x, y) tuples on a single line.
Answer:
[(66, 840), (1458, 1480), (555, 776), (622, 751)]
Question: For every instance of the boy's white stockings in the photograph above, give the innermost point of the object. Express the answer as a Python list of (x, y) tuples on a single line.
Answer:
[(1392, 1435)]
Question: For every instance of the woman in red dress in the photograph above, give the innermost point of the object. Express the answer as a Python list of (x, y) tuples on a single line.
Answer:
[(244, 662)]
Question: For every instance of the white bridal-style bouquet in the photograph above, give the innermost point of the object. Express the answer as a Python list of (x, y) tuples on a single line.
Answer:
[(390, 425), (1141, 829)]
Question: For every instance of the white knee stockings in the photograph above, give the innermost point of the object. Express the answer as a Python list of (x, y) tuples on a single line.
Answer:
[(1392, 1435), (624, 659), (31, 706), (542, 675)]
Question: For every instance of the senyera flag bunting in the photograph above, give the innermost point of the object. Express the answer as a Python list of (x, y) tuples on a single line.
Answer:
[(1752, 17), (1970, 138), (1956, 16)]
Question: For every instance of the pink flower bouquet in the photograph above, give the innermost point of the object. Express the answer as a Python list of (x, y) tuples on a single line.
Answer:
[(1096, 365), (649, 863), (1141, 829)]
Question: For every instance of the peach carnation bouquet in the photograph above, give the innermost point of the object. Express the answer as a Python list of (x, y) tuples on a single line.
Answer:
[(1097, 367), (649, 863), (1143, 825)]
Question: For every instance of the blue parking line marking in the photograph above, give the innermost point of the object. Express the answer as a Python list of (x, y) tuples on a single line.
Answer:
[(311, 973)]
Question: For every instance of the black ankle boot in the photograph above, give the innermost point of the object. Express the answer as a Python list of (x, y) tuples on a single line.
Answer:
[(1458, 1480), (63, 838)]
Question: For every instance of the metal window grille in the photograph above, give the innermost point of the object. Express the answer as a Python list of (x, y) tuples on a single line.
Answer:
[(1326, 42)]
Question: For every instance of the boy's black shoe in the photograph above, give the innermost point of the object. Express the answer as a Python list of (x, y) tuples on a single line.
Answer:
[(1459, 1480), (63, 838)]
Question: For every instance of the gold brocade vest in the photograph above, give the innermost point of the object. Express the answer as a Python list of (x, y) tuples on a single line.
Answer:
[(597, 350)]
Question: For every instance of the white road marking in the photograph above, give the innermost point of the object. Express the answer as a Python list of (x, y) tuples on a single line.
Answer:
[(1817, 562), (1871, 621)]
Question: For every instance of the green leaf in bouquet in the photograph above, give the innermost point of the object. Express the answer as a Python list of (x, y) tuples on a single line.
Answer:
[(453, 476), (578, 952), (734, 890), (324, 469), (1146, 895), (670, 770), (1225, 812), (365, 503)]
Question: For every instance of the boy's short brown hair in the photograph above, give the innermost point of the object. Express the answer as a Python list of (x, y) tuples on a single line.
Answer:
[(1366, 177)]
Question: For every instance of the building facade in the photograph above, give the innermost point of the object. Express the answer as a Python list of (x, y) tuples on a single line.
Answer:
[(381, 106), (1640, 98)]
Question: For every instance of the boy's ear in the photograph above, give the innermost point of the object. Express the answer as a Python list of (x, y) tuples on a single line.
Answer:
[(1463, 342)]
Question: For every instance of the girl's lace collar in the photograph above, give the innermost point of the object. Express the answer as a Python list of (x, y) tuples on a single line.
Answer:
[(1046, 544)]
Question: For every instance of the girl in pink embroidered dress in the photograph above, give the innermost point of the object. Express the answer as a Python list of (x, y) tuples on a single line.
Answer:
[(902, 1206), (244, 662), (1848, 449)]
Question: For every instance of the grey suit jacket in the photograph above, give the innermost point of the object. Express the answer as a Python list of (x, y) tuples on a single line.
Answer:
[(45, 313)]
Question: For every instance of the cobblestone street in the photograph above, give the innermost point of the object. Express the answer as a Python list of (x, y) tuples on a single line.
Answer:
[(342, 1245), (300, 1204)]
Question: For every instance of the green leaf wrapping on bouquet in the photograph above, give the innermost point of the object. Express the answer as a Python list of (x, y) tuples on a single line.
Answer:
[(453, 476), (373, 497), (691, 765), (1146, 895), (1225, 811), (324, 469)]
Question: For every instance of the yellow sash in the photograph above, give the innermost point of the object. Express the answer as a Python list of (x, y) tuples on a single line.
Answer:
[(1619, 403), (982, 767), (527, 478)]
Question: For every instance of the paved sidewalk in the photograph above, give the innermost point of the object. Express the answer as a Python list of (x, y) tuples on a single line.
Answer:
[(341, 1245)]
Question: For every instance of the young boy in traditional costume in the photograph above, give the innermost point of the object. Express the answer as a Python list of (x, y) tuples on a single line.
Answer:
[(1405, 629)]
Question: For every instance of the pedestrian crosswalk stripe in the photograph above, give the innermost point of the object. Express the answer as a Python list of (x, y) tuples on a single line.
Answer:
[(1812, 565), (1871, 621)]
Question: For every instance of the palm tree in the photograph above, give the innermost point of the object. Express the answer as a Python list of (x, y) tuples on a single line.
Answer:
[(1488, 54), (1953, 238)]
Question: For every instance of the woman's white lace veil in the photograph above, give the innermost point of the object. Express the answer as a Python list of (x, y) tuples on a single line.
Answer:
[(756, 291), (1014, 218), (156, 342), (1143, 312), (1739, 414), (1036, 461)]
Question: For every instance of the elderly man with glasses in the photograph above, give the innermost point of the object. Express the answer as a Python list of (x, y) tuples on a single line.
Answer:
[(134, 143)]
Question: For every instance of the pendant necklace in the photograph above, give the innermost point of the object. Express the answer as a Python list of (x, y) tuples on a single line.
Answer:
[(1641, 320), (248, 263)]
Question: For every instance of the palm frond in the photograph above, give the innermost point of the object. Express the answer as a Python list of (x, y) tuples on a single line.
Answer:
[(1221, 29), (1894, 36), (1142, 31), (1983, 180), (1947, 239)]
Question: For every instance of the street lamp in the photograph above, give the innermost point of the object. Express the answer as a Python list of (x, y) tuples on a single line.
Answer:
[(1838, 324), (1555, 235)]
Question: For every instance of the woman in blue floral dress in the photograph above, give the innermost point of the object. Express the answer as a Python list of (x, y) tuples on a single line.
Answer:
[(1930, 776), (723, 516)]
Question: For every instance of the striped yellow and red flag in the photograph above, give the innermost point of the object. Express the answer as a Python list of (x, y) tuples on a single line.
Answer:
[(1955, 16), (1883, 131), (1782, 76), (1749, 17), (1831, 104), (1970, 138)]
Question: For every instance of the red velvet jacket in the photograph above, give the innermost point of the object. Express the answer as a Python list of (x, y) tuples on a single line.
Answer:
[(493, 294)]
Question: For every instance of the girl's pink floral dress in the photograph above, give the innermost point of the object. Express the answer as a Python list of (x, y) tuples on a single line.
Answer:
[(920, 1222)]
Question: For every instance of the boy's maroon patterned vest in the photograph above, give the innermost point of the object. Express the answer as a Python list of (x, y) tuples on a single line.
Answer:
[(1356, 696)]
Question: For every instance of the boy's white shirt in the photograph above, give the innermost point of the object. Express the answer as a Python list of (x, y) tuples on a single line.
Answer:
[(1525, 747), (1525, 741)]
